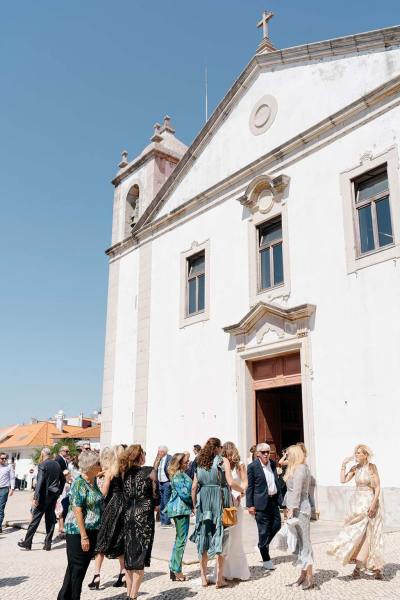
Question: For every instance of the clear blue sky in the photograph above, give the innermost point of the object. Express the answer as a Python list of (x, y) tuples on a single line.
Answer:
[(80, 81)]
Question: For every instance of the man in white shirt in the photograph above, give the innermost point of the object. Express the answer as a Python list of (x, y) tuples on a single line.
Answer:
[(263, 498), (7, 485), (161, 465)]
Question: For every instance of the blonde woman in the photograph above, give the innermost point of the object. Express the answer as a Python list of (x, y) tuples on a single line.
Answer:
[(298, 479), (361, 540), (179, 509), (235, 564), (110, 539)]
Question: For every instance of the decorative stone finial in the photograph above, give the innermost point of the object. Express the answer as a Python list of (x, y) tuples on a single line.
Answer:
[(124, 159), (266, 45), (167, 125), (156, 137)]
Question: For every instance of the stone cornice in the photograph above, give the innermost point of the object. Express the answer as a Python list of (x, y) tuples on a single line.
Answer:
[(292, 146), (257, 312), (381, 39), (154, 152), (378, 39)]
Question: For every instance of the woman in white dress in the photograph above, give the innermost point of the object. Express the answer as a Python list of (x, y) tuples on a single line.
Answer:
[(235, 564), (361, 540)]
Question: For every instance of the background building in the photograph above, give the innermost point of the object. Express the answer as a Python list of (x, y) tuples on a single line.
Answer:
[(21, 441)]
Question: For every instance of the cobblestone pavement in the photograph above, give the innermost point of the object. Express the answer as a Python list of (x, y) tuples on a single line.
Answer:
[(37, 575)]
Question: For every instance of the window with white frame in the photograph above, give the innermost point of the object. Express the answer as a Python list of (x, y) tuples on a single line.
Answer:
[(270, 254), (195, 284), (372, 212)]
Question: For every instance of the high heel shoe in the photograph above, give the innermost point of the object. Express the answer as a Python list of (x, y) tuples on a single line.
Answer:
[(172, 576), (95, 583), (120, 581)]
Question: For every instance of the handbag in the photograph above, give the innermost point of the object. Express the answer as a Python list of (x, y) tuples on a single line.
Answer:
[(229, 516)]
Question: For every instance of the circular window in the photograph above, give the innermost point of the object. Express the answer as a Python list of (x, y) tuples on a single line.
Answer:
[(263, 115)]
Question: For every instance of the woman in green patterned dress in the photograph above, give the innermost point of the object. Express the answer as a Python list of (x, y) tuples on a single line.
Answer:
[(179, 509), (211, 493), (81, 525)]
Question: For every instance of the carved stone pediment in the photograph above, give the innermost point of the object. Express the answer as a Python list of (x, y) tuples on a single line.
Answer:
[(263, 192), (266, 323)]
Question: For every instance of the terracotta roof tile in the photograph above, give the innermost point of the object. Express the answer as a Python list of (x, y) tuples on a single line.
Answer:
[(37, 434)]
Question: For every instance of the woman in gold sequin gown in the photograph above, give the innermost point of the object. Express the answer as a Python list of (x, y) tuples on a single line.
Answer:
[(361, 540)]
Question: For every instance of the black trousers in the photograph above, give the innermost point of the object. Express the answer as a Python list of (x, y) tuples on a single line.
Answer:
[(268, 524), (47, 508), (78, 563)]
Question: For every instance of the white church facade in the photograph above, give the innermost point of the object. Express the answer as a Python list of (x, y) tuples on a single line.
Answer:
[(254, 277)]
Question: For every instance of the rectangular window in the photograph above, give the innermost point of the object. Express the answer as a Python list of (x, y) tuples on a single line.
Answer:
[(270, 254), (195, 284), (372, 211)]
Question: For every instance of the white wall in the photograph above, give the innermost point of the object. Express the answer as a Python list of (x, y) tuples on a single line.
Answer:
[(355, 344), (125, 351), (306, 94)]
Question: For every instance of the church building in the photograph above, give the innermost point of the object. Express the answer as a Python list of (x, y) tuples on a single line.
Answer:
[(254, 277)]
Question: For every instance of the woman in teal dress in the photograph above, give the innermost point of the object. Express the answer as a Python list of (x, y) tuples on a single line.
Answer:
[(179, 509), (211, 493)]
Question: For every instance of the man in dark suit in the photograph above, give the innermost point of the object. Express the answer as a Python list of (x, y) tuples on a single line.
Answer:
[(161, 465), (47, 490), (263, 498), (62, 459)]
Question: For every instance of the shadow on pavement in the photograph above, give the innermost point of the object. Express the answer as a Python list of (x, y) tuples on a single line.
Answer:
[(147, 577), (12, 581), (174, 594), (324, 575), (390, 571)]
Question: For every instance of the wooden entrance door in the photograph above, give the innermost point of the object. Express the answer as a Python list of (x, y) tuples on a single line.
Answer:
[(268, 419), (278, 402), (279, 417)]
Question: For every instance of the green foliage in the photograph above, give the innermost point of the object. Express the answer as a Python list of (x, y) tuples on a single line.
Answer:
[(56, 449)]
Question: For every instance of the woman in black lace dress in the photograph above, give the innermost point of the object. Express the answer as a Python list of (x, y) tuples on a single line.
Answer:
[(110, 539), (140, 499)]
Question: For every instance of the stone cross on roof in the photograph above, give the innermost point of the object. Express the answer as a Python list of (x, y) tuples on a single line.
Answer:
[(266, 17)]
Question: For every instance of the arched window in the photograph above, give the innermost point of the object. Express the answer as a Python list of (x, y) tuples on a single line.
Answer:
[(131, 209)]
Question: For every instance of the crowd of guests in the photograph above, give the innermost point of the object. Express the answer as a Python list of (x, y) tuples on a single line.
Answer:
[(109, 504)]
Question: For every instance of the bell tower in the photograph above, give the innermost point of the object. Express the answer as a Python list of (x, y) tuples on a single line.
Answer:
[(138, 181)]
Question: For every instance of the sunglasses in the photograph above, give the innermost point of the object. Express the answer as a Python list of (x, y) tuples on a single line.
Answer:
[(3, 457), (265, 451)]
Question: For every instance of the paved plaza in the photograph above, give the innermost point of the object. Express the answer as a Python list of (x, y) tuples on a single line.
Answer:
[(37, 575)]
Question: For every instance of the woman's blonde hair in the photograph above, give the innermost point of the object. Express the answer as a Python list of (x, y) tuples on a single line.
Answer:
[(365, 450), (230, 452), (302, 446), (114, 460), (295, 457), (105, 456), (176, 464)]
